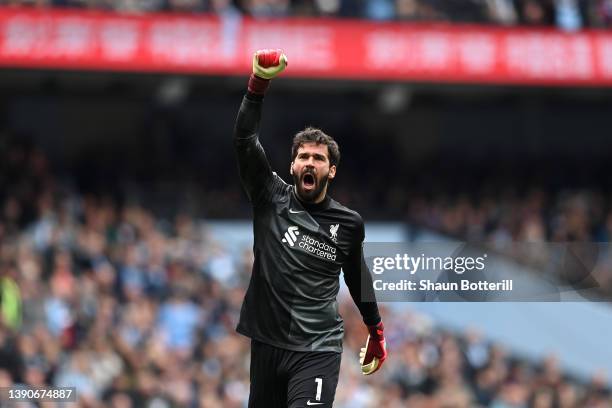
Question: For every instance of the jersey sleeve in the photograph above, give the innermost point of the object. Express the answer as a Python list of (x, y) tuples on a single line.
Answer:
[(359, 281), (256, 175)]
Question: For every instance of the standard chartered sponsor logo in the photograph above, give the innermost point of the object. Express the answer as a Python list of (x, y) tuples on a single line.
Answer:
[(309, 244), (319, 248)]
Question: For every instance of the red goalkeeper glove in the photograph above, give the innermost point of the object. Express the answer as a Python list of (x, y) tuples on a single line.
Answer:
[(374, 353), (267, 64)]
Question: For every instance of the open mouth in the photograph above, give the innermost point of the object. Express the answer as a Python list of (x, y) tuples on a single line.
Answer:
[(308, 181)]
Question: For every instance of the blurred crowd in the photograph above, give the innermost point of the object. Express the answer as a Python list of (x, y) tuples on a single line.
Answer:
[(535, 216), (138, 310), (536, 219), (566, 14)]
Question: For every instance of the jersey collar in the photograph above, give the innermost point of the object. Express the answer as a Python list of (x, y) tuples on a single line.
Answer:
[(313, 207)]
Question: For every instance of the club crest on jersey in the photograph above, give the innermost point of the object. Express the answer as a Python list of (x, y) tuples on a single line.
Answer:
[(333, 230)]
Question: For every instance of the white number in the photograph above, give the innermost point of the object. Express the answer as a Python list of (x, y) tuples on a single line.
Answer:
[(319, 382)]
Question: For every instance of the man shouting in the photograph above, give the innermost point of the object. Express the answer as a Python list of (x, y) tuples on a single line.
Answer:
[(303, 239)]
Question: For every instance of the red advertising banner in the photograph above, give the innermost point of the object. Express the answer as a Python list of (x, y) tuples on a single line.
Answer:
[(317, 48)]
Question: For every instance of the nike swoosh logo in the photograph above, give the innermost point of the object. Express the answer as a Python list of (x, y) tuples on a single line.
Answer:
[(313, 403), (294, 212)]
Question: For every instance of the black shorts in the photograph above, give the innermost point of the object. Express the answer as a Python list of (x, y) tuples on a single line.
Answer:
[(292, 379)]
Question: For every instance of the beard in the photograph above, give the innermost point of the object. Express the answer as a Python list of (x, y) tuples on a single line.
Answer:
[(308, 186)]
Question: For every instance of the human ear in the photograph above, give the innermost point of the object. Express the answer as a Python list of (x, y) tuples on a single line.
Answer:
[(332, 172)]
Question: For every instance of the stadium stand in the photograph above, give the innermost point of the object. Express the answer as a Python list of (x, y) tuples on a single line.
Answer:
[(110, 280), (139, 310), (565, 14)]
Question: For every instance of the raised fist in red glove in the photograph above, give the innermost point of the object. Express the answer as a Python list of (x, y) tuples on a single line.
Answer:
[(268, 63), (374, 353)]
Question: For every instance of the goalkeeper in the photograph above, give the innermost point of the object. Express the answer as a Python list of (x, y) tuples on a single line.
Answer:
[(303, 238)]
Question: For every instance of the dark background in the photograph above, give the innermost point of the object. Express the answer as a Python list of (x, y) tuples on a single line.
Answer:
[(167, 140)]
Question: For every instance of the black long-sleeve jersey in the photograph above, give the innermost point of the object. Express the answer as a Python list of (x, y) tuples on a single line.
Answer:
[(299, 249)]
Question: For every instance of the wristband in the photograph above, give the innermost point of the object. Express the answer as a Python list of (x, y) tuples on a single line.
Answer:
[(257, 85)]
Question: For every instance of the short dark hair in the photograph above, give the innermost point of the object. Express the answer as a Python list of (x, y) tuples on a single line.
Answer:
[(314, 135)]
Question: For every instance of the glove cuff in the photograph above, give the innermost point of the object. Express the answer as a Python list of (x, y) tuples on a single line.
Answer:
[(257, 85), (376, 331)]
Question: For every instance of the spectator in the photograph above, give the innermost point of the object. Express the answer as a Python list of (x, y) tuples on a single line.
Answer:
[(536, 12), (568, 15), (134, 311), (10, 299), (502, 12)]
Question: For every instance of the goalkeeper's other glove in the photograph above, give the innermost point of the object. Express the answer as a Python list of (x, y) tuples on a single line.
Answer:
[(267, 64), (374, 353)]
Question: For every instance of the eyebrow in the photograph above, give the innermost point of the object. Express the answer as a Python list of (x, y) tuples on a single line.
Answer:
[(316, 155)]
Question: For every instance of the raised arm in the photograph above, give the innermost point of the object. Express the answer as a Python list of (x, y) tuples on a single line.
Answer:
[(253, 166)]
